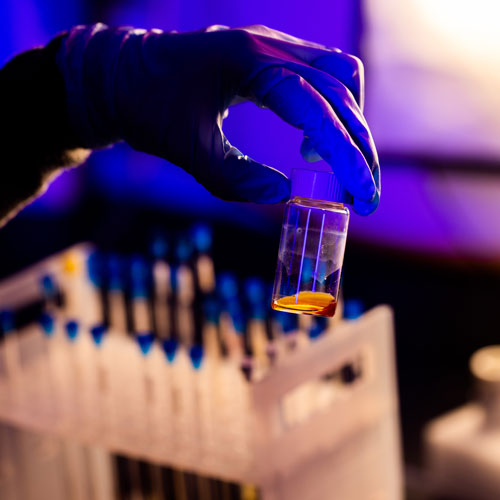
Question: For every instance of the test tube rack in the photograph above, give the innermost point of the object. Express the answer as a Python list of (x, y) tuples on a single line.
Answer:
[(297, 433)]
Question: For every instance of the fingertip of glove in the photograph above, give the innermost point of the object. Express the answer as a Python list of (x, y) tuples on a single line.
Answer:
[(243, 179), (274, 189), (365, 208), (308, 152)]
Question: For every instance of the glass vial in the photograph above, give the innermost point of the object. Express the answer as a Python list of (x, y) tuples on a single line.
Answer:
[(311, 251)]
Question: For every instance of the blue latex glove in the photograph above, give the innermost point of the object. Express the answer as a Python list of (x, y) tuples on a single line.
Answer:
[(167, 94)]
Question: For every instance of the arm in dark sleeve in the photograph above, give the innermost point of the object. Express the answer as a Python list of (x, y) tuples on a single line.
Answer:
[(36, 141)]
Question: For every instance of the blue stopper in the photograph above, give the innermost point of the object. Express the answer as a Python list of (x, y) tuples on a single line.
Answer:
[(46, 321), (145, 341), (139, 275), (115, 268), (159, 246), (184, 250), (255, 290), (170, 348), (196, 355), (173, 278), (49, 288), (239, 322), (71, 330), (255, 293), (211, 310), (259, 311), (353, 309), (95, 268), (227, 285), (202, 237), (97, 333), (7, 323)]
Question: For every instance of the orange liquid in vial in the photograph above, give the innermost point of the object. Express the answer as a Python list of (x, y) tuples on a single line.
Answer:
[(315, 303)]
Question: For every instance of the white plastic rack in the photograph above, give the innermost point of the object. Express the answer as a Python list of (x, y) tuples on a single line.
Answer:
[(321, 423)]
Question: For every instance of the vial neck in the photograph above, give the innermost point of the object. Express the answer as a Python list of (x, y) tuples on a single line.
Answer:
[(316, 203)]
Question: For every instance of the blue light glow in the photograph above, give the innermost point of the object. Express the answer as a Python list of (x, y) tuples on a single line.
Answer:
[(46, 321)]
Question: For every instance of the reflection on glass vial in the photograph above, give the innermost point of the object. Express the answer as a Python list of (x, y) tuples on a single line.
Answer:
[(310, 257)]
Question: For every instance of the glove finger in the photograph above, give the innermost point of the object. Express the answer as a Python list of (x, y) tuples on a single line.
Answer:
[(346, 68), (367, 207), (261, 30), (337, 95), (236, 177), (301, 105), (308, 152), (345, 107), (341, 99)]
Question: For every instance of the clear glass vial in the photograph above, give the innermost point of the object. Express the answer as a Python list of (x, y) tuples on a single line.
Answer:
[(311, 251)]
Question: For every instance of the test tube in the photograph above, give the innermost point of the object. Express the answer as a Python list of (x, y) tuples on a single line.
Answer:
[(312, 245), (116, 294), (256, 334), (205, 274)]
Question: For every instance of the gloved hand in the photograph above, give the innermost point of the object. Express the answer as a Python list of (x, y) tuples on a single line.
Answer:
[(167, 93)]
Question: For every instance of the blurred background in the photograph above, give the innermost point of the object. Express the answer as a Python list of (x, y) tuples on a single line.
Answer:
[(431, 251)]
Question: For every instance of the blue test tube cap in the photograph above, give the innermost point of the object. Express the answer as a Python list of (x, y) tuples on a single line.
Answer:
[(159, 246), (139, 276), (196, 355), (145, 341), (239, 320), (255, 294), (7, 321), (353, 309), (211, 310), (46, 321), (174, 282), (95, 268), (115, 270), (227, 285), (98, 332), (71, 328), (183, 249), (258, 311), (202, 237), (169, 347), (255, 290), (49, 288)]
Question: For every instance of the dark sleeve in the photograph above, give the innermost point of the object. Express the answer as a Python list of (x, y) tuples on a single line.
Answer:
[(36, 138)]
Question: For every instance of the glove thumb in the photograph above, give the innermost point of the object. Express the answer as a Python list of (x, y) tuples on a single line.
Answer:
[(236, 177)]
